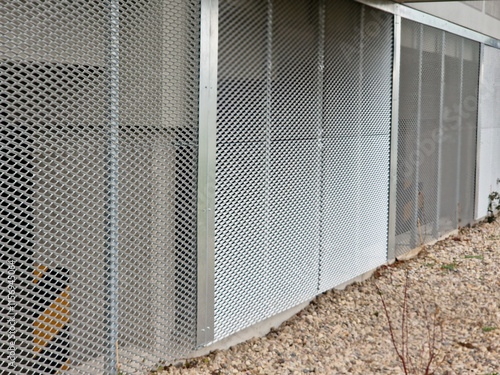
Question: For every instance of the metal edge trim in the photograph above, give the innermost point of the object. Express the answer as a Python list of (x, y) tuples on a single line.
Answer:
[(430, 20), (206, 172), (459, 136), (478, 133), (393, 163), (440, 134), (112, 156), (414, 231)]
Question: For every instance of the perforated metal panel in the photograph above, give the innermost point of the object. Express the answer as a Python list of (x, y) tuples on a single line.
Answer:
[(98, 176), (489, 128), (304, 104), (357, 118), (468, 133), (437, 134)]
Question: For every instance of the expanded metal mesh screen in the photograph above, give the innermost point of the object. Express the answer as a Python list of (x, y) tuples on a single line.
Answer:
[(489, 128), (99, 103), (304, 112), (437, 134), (99, 166)]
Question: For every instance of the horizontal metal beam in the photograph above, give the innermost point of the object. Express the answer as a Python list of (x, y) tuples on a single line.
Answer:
[(428, 1), (430, 20)]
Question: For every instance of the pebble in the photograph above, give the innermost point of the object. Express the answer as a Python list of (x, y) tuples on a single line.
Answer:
[(347, 332)]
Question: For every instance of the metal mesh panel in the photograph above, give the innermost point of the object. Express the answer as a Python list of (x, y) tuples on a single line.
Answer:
[(451, 103), (489, 128), (299, 104), (357, 112), (437, 127), (467, 168), (355, 226), (63, 170)]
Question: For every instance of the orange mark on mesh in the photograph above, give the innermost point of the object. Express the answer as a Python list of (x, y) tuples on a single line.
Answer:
[(65, 366), (51, 321), (38, 273)]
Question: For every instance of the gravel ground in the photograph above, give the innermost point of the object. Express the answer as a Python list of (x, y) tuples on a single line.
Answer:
[(453, 289)]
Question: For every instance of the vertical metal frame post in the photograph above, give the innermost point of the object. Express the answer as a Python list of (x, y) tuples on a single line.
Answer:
[(269, 119), (206, 171), (111, 364), (459, 133), (320, 134), (414, 230), (393, 169), (440, 135), (478, 132)]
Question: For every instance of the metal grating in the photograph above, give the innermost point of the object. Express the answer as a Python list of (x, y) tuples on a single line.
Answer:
[(357, 119), (99, 164), (489, 129), (468, 140), (437, 134), (300, 103)]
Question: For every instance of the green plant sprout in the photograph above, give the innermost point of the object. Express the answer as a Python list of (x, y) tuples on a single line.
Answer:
[(489, 329)]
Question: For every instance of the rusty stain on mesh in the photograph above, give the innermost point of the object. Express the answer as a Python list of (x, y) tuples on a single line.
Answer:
[(55, 105)]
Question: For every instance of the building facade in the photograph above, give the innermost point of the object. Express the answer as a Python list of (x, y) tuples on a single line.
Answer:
[(174, 172)]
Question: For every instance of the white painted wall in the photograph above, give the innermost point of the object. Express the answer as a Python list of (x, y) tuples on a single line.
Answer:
[(489, 129), (477, 15)]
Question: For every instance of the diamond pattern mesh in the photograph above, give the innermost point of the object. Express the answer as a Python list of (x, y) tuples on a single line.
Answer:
[(55, 184), (304, 111), (437, 134)]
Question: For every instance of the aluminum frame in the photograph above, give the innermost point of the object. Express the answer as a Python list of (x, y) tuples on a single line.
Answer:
[(393, 172), (206, 170), (112, 365), (440, 134), (459, 141), (478, 133), (414, 234)]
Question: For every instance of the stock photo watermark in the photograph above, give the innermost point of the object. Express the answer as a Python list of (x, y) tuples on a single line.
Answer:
[(11, 313)]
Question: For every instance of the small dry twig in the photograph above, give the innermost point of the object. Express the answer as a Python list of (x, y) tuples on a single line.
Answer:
[(426, 356)]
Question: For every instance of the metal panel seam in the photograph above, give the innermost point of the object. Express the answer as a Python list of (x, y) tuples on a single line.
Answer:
[(414, 229), (112, 199), (459, 140), (478, 134), (321, 69), (440, 133)]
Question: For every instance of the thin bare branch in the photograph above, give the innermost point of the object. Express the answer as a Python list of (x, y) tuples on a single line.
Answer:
[(391, 330), (423, 359)]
